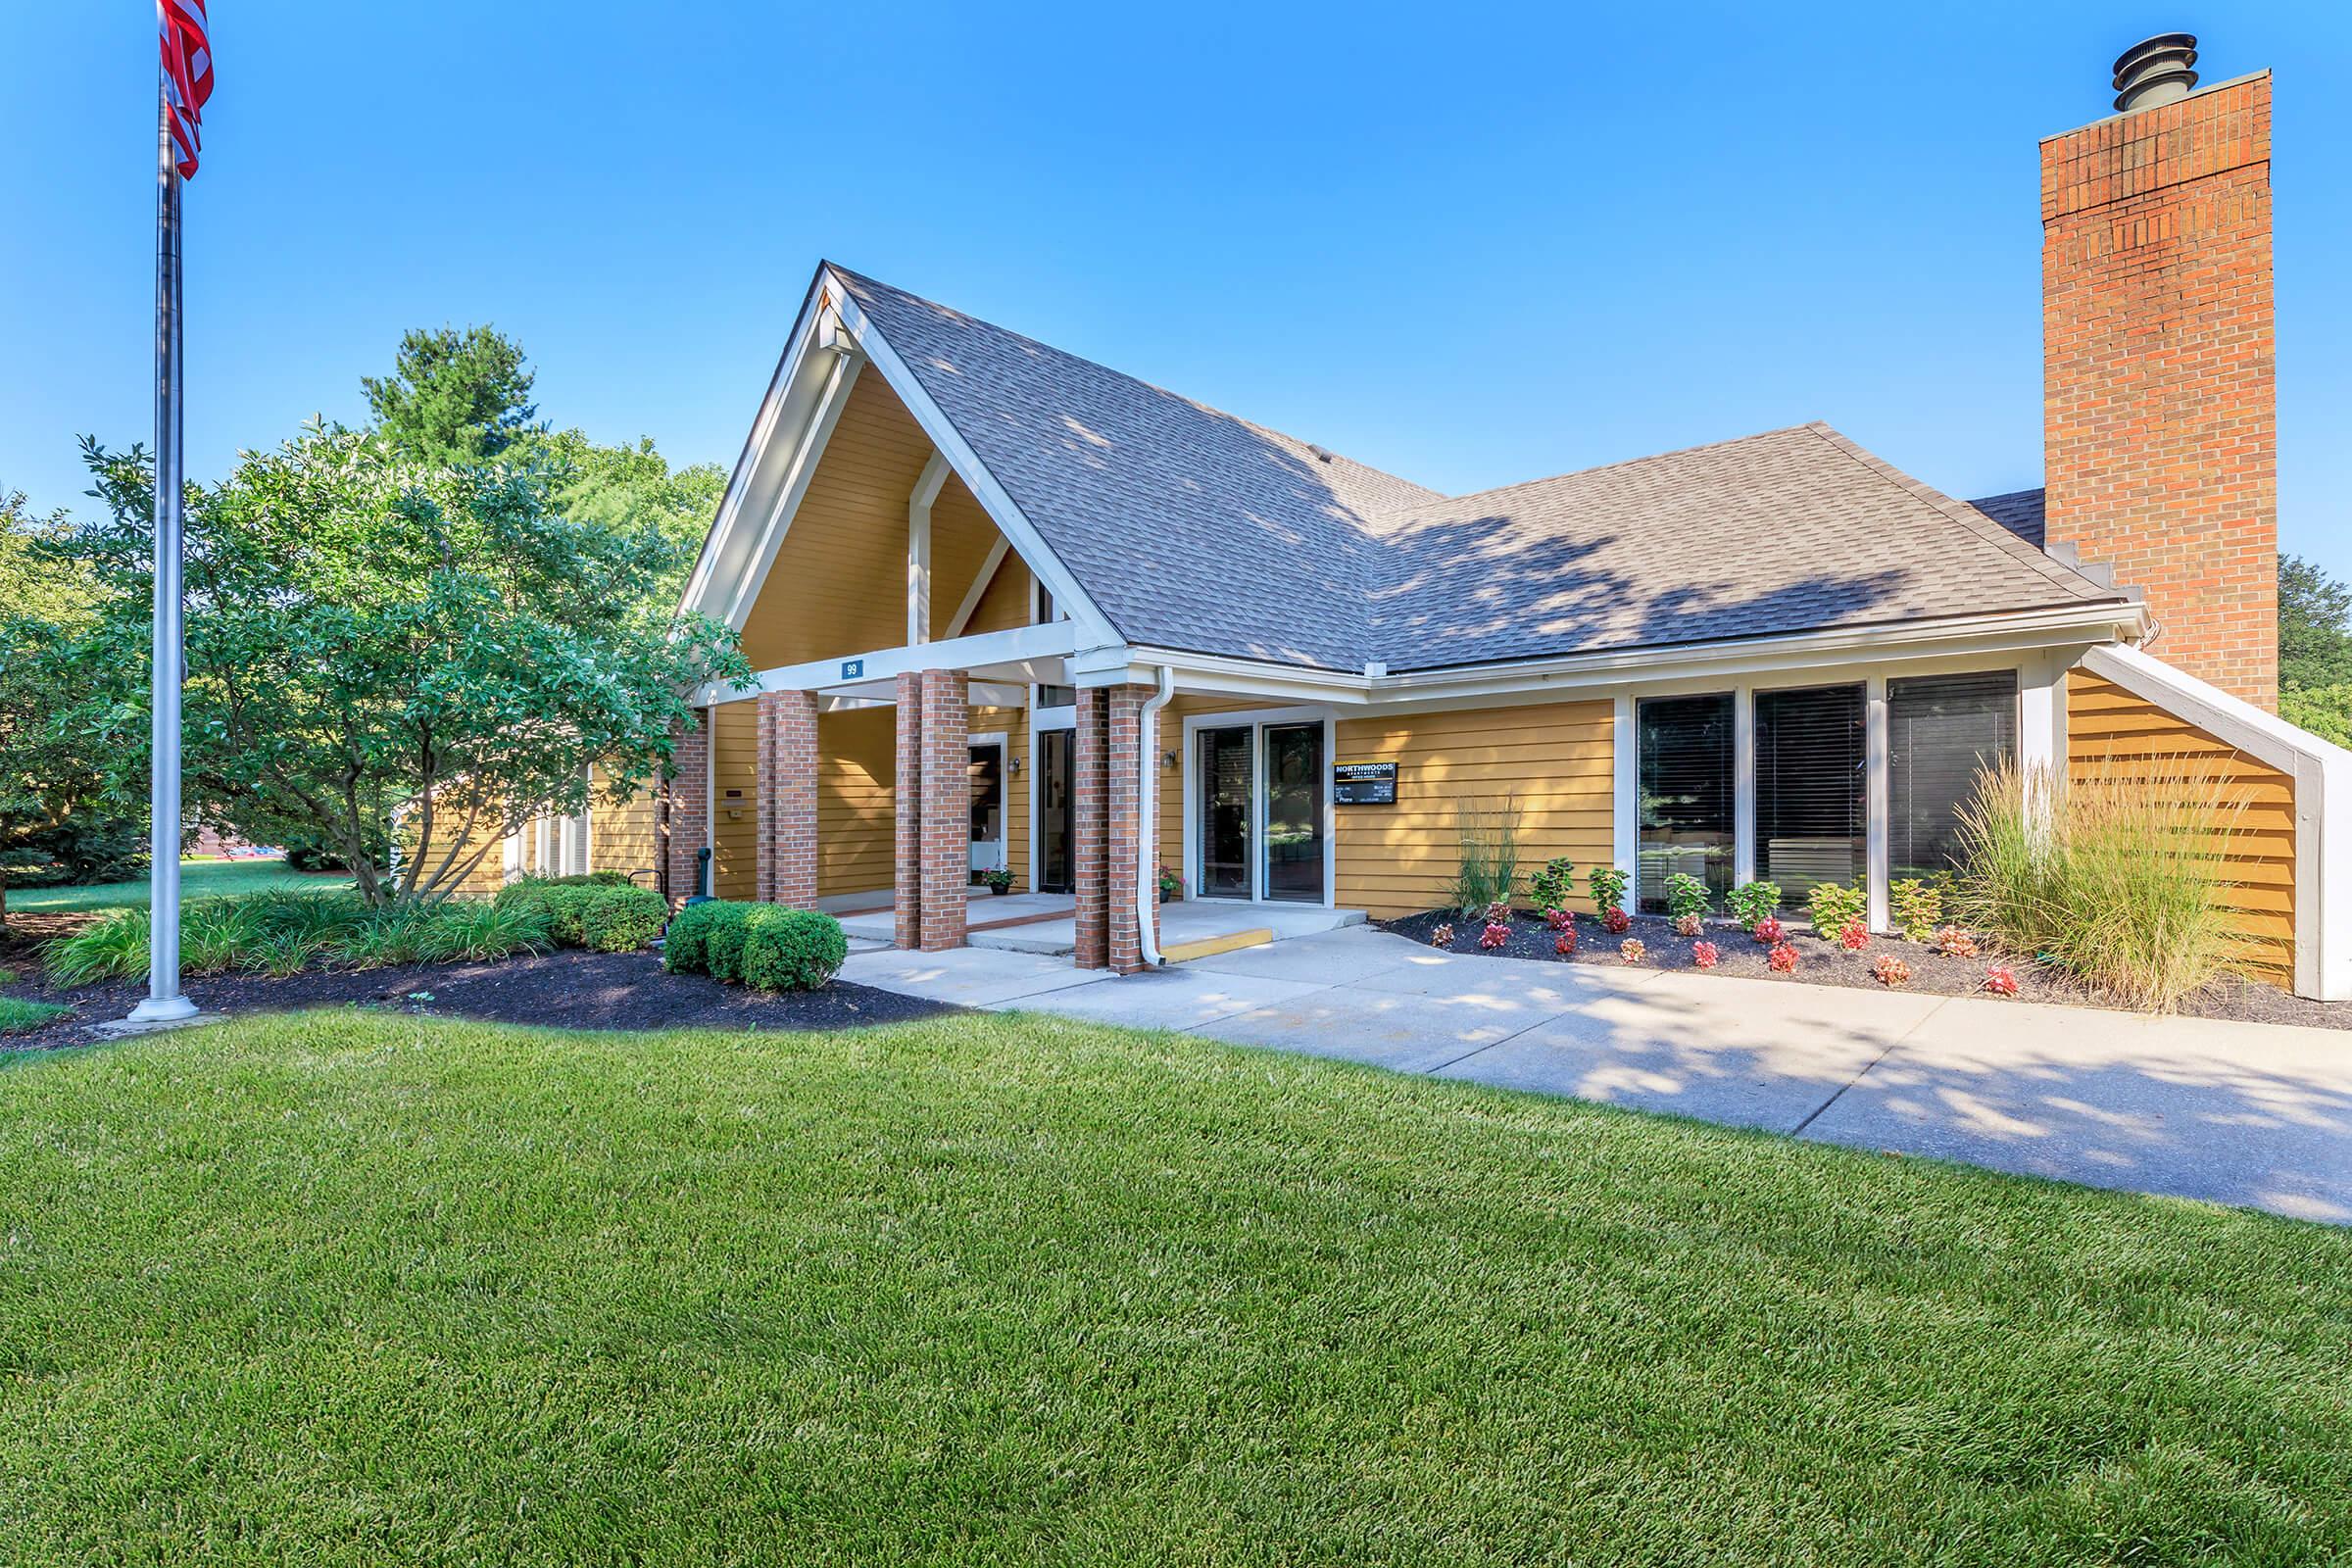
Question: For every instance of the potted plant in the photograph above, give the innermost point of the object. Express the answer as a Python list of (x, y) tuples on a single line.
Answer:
[(1171, 886), (998, 882)]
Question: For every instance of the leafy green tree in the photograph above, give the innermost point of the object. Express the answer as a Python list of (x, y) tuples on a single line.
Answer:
[(453, 397), (54, 783), (370, 635), (626, 488), (2314, 650)]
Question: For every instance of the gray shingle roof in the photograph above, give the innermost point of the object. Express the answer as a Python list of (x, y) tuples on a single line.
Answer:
[(1193, 529), (2021, 512)]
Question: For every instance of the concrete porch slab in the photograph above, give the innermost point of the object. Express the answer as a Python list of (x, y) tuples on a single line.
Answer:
[(1183, 998), (1182, 923), (981, 908), (970, 977)]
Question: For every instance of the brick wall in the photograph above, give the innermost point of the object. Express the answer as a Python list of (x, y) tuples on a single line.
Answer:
[(787, 799), (689, 805), (1089, 824), (2160, 402), (933, 831), (1123, 825)]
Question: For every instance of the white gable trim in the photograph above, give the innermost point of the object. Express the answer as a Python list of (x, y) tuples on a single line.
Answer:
[(1094, 627), (2323, 775), (979, 588)]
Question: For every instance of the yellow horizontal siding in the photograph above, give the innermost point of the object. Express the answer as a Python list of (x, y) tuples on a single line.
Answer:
[(856, 800), (2112, 733), (734, 799)]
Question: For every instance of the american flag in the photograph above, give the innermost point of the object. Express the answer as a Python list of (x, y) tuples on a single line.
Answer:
[(187, 73)]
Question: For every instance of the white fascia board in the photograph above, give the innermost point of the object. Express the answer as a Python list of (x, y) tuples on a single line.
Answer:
[(1072, 599), (832, 396), (2323, 775), (1695, 665), (724, 527), (1019, 648)]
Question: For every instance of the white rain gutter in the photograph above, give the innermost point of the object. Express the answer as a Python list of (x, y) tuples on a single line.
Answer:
[(1147, 818)]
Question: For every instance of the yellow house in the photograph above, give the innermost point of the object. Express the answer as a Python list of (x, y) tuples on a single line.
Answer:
[(1016, 612)]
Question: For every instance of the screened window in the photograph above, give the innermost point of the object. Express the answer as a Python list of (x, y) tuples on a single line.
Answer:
[(1942, 732), (1686, 779), (1812, 789)]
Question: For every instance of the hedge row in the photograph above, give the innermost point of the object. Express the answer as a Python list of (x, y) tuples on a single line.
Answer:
[(756, 945), (600, 911)]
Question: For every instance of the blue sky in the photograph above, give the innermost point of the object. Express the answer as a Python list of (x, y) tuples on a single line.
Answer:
[(1473, 245)]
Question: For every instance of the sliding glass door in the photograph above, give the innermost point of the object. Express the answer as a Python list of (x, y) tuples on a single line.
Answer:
[(1812, 789)]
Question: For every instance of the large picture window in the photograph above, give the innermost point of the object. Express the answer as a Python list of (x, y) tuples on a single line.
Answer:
[(1812, 789), (1942, 732), (1686, 794)]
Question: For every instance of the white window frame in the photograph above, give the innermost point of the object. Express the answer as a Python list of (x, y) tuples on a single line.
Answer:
[(1257, 720), (2041, 739)]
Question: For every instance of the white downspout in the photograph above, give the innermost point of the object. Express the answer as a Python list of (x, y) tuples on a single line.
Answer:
[(1146, 825)]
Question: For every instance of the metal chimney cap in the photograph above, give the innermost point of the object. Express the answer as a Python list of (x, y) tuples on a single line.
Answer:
[(2155, 70)]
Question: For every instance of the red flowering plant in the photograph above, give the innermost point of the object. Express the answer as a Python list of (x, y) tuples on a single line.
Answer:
[(1559, 919), (1689, 925), (1771, 933), (1632, 950), (1496, 935), (1853, 936), (1703, 954), (1565, 947), (1442, 936), (2001, 980), (1890, 970), (1781, 959), (1953, 942), (1617, 921)]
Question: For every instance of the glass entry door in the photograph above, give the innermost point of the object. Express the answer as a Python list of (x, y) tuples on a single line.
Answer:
[(1260, 804), (1228, 768), (1055, 811), (1294, 813)]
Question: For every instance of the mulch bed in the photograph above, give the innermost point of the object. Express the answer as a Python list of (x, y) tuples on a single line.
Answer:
[(1824, 963), (559, 990)]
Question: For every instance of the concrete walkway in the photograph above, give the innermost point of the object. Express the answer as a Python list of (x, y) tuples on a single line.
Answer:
[(2250, 1115)]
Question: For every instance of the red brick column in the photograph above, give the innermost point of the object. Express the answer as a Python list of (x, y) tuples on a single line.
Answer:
[(1125, 829), (689, 790), (788, 799), (906, 865), (947, 807), (1090, 820)]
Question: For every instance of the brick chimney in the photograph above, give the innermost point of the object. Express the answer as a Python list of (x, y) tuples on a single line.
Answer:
[(2160, 420)]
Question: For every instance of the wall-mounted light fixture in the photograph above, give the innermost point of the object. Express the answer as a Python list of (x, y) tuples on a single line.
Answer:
[(1167, 760)]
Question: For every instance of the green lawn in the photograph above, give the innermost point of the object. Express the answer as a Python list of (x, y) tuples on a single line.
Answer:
[(364, 1288), (16, 1014), (197, 879)]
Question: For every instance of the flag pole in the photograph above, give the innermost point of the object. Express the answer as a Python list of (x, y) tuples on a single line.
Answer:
[(165, 1004)]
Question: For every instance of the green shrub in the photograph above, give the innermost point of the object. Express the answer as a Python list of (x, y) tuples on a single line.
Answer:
[(1754, 903), (472, 932), (386, 937), (1608, 884), (1687, 895), (687, 948), (2117, 880), (1488, 831), (110, 948), (622, 919), (791, 949), (1830, 906), (1555, 885), (725, 943), (1917, 906), (215, 935)]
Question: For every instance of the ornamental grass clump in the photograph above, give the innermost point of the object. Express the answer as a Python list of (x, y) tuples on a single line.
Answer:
[(2118, 877), (1488, 833)]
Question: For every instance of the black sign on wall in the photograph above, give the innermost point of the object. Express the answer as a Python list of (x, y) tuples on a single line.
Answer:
[(1363, 783)]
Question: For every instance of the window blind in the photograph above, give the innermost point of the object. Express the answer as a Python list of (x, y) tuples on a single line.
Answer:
[(1942, 732), (1812, 787), (1685, 781)]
